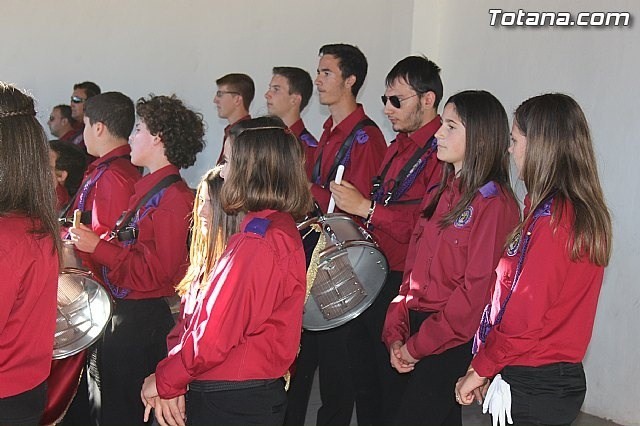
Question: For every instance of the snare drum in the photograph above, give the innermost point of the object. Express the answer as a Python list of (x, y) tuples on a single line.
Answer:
[(345, 274)]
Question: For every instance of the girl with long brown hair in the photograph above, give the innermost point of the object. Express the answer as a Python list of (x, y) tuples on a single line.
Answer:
[(534, 334), (29, 261), (451, 260), (245, 328)]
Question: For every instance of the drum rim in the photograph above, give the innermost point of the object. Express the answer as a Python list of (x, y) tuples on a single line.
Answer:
[(70, 350)]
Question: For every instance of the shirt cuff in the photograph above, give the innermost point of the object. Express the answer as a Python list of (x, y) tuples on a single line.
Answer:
[(171, 377), (106, 254)]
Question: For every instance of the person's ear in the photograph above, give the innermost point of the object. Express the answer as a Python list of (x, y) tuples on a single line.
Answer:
[(61, 176)]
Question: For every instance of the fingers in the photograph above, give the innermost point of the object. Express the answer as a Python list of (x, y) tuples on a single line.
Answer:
[(147, 412)]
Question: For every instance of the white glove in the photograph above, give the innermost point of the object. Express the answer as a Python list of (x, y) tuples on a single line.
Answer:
[(498, 402)]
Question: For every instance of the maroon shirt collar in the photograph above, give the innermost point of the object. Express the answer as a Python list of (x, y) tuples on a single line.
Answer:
[(120, 151), (345, 126)]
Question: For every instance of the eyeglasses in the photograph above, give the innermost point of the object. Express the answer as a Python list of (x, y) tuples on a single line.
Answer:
[(51, 118), (220, 93), (395, 101), (77, 100)]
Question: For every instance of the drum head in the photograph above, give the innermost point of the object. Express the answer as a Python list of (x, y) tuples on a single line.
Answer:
[(84, 309), (365, 264)]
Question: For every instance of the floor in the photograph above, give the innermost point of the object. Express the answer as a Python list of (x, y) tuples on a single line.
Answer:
[(471, 415)]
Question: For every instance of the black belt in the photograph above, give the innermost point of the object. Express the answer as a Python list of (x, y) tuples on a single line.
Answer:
[(227, 385)]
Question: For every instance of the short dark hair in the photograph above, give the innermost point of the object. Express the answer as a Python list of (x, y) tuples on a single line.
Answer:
[(241, 83), (422, 74), (351, 61), (113, 109), (180, 128), (72, 160), (89, 87), (299, 82), (65, 112), (258, 180)]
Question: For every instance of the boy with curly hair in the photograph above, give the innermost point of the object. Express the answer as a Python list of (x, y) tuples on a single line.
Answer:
[(147, 255)]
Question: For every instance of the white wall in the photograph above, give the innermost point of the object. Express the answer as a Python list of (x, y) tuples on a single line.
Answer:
[(600, 68), (164, 46), (167, 46)]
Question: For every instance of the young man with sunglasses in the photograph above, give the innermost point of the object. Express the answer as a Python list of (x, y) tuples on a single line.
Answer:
[(351, 139), (391, 207), (81, 93), (233, 99)]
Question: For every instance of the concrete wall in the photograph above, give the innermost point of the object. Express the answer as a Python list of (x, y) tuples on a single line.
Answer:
[(600, 68)]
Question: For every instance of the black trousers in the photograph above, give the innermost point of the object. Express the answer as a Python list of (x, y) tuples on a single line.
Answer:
[(427, 394), (546, 395), (131, 347), (373, 375), (302, 380), (24, 409), (262, 405)]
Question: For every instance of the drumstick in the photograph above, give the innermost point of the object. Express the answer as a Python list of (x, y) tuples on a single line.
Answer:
[(338, 180), (77, 214)]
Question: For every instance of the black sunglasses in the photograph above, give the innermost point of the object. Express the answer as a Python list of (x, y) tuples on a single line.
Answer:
[(395, 101), (77, 100)]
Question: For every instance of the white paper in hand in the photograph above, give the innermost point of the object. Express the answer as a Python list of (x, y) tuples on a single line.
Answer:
[(338, 180)]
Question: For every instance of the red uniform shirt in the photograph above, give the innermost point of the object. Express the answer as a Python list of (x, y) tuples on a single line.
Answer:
[(310, 144), (73, 135), (62, 197), (158, 259), (246, 324), (110, 194), (549, 317), (366, 155), (226, 135), (393, 224), (29, 268), (450, 271)]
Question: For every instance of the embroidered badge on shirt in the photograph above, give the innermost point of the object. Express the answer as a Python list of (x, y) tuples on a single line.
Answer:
[(464, 217), (361, 136), (512, 249)]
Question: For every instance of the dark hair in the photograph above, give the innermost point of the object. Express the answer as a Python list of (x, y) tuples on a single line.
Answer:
[(180, 128), (299, 82), (420, 73), (486, 156), (65, 112), (559, 159), (89, 87), (26, 185), (241, 83), (267, 169), (351, 61), (71, 160), (114, 110)]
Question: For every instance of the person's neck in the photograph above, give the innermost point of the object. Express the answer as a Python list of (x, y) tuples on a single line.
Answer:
[(290, 117), (237, 115), (109, 144), (156, 164), (427, 118), (342, 109), (64, 131)]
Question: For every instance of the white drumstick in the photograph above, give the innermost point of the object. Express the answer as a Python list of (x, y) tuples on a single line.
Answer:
[(338, 180)]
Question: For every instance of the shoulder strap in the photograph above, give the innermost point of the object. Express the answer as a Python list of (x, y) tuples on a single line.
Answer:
[(90, 183), (342, 153), (164, 183), (411, 168)]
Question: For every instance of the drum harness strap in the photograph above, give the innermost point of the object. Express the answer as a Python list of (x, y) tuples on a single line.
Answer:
[(82, 194), (544, 209), (396, 188), (126, 229), (343, 156)]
